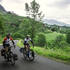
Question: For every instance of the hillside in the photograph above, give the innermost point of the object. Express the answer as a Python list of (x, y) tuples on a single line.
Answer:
[(2, 9), (10, 20), (9, 16)]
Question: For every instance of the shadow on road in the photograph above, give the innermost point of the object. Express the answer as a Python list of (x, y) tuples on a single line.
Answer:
[(7, 66), (23, 61)]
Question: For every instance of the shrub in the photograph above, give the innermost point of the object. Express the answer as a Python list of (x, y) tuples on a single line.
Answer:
[(40, 40), (18, 35), (63, 44), (60, 40), (1, 39), (68, 37)]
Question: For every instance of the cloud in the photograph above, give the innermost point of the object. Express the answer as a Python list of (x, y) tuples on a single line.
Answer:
[(62, 3), (54, 9), (17, 1), (0, 0)]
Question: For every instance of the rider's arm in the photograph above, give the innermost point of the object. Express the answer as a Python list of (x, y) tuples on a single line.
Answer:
[(25, 41), (4, 39), (12, 41), (32, 42)]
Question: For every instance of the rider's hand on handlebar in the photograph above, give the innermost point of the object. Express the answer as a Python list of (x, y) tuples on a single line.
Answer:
[(33, 45), (14, 46)]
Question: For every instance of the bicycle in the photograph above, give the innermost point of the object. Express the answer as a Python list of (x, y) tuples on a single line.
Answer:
[(9, 56), (28, 55)]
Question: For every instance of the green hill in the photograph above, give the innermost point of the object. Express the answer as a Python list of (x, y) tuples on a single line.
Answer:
[(9, 20)]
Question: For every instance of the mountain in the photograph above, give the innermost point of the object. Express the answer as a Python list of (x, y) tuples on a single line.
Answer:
[(55, 22), (2, 9), (7, 15)]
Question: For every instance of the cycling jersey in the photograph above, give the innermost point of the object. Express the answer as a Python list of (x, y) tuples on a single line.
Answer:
[(26, 41), (7, 40)]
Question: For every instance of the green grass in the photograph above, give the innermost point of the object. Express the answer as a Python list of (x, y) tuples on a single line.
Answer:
[(20, 44), (55, 53)]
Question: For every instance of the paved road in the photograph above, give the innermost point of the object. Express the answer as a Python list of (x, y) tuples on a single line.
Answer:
[(40, 63)]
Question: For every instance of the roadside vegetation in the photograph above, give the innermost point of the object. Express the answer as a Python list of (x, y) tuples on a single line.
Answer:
[(58, 50)]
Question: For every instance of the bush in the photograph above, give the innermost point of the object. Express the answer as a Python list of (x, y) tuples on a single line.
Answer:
[(63, 44), (1, 39), (68, 37), (60, 40), (40, 40), (18, 35)]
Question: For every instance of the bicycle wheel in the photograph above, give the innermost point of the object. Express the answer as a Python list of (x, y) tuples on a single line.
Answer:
[(31, 55), (12, 60), (24, 54)]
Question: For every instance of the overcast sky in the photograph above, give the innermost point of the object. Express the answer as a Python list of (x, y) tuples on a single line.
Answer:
[(53, 9)]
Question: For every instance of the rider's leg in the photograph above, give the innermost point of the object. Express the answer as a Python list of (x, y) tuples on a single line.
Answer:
[(28, 50), (6, 49)]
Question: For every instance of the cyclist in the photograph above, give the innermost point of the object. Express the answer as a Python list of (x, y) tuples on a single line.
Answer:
[(6, 41), (26, 43)]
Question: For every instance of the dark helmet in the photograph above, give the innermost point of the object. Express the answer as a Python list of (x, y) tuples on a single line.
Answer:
[(8, 35)]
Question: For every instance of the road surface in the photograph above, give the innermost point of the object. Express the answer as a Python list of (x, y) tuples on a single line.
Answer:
[(40, 63)]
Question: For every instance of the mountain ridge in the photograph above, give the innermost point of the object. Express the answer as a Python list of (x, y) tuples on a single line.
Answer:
[(2, 8), (55, 22)]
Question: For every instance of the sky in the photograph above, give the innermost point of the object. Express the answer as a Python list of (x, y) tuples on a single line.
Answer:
[(53, 9)]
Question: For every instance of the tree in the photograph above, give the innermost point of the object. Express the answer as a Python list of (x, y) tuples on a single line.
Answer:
[(1, 24), (26, 27), (33, 12), (68, 37), (40, 40)]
